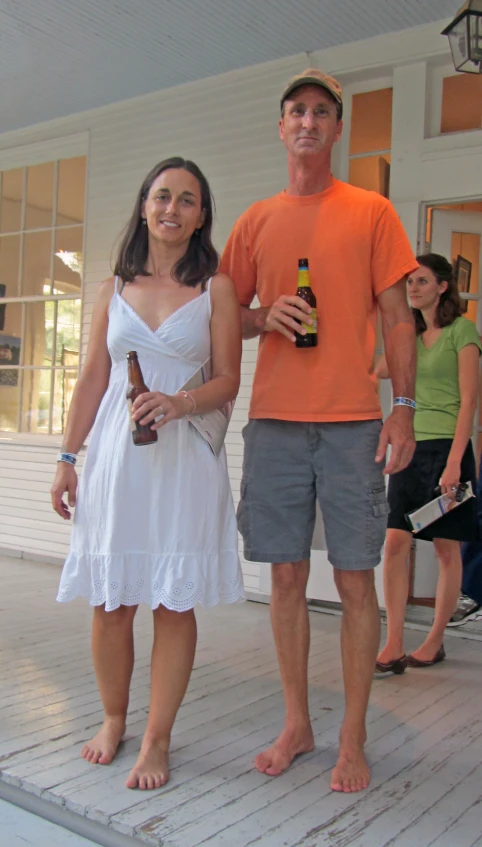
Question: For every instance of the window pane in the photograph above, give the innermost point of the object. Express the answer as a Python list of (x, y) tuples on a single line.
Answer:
[(39, 331), (71, 191), (461, 103), (11, 201), (9, 397), (40, 195), (10, 350), (36, 262), (68, 260), (371, 121), (68, 332), (9, 266), (10, 333), (372, 173), (36, 401), (64, 385)]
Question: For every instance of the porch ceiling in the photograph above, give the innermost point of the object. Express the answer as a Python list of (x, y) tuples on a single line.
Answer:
[(58, 57)]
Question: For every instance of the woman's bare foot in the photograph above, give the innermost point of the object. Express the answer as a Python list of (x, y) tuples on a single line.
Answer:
[(277, 759), (103, 747), (152, 767), (351, 772)]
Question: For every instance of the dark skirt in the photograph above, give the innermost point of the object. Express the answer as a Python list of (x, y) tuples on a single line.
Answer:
[(416, 485)]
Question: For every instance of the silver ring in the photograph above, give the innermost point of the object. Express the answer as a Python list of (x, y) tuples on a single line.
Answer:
[(454, 488), (161, 410)]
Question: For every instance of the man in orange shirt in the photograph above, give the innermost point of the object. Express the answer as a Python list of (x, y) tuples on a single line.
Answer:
[(315, 427)]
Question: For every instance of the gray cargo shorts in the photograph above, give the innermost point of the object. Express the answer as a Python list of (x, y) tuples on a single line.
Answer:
[(287, 466)]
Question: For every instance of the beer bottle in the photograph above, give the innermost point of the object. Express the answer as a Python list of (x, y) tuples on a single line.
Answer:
[(306, 293), (141, 434)]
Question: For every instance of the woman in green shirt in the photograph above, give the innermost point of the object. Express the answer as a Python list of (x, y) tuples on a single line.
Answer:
[(448, 349)]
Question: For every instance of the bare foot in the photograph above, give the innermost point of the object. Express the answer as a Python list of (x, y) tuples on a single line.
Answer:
[(103, 747), (277, 759), (351, 772), (152, 767)]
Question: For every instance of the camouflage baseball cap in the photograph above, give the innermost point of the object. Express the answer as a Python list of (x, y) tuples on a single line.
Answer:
[(312, 76)]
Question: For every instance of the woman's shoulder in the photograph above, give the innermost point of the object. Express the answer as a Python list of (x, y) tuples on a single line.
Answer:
[(221, 285), (463, 331), (106, 290)]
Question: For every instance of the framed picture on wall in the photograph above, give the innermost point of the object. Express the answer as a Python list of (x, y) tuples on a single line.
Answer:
[(463, 271), (9, 355)]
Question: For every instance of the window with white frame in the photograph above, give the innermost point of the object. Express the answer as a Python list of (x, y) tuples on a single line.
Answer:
[(371, 140), (41, 260), (454, 101)]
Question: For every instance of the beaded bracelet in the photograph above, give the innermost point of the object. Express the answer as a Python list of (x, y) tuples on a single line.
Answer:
[(70, 458), (404, 401), (191, 398)]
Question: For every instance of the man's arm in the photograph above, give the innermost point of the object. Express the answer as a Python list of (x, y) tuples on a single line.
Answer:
[(253, 321), (399, 338), (284, 316)]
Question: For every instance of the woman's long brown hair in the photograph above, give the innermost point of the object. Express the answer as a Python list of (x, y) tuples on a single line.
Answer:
[(449, 306)]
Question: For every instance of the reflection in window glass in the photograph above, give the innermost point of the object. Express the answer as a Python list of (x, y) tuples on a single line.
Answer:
[(68, 332), (10, 341), (68, 260), (11, 201), (71, 191), (461, 103), (9, 404), (9, 265), (37, 340), (36, 401), (40, 340), (37, 251), (371, 173), (40, 196), (371, 121), (64, 385)]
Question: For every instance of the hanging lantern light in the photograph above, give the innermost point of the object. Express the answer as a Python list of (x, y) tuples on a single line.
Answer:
[(465, 37)]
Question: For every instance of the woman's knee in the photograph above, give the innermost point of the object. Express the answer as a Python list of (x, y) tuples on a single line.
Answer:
[(172, 616), (123, 616), (448, 553), (397, 543)]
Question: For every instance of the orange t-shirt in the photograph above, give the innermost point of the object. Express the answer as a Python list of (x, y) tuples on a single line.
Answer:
[(356, 247)]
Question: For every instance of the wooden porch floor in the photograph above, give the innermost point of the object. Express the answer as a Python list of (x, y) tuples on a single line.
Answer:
[(425, 736)]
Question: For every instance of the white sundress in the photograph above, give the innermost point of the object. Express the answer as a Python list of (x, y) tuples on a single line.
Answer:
[(153, 524)]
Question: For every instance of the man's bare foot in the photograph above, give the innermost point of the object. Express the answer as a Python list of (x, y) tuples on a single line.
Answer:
[(277, 759), (152, 767), (103, 747), (351, 772)]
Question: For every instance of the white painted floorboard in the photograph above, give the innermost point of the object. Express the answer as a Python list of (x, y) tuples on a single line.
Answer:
[(424, 728), (19, 828)]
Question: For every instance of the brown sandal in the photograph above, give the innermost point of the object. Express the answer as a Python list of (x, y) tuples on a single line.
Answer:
[(419, 663), (397, 666)]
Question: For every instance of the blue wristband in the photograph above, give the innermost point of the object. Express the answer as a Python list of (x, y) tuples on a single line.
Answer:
[(404, 401), (70, 458)]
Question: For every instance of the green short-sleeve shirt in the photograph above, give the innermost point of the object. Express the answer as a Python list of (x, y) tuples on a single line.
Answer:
[(437, 385)]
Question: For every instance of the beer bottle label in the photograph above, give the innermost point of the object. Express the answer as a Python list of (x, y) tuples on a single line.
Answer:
[(311, 328), (131, 421)]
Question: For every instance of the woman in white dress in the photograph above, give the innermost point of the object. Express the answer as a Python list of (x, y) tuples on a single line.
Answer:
[(154, 525)]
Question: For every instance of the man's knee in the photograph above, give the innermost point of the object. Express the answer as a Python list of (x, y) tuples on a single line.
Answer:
[(290, 578), (355, 587)]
